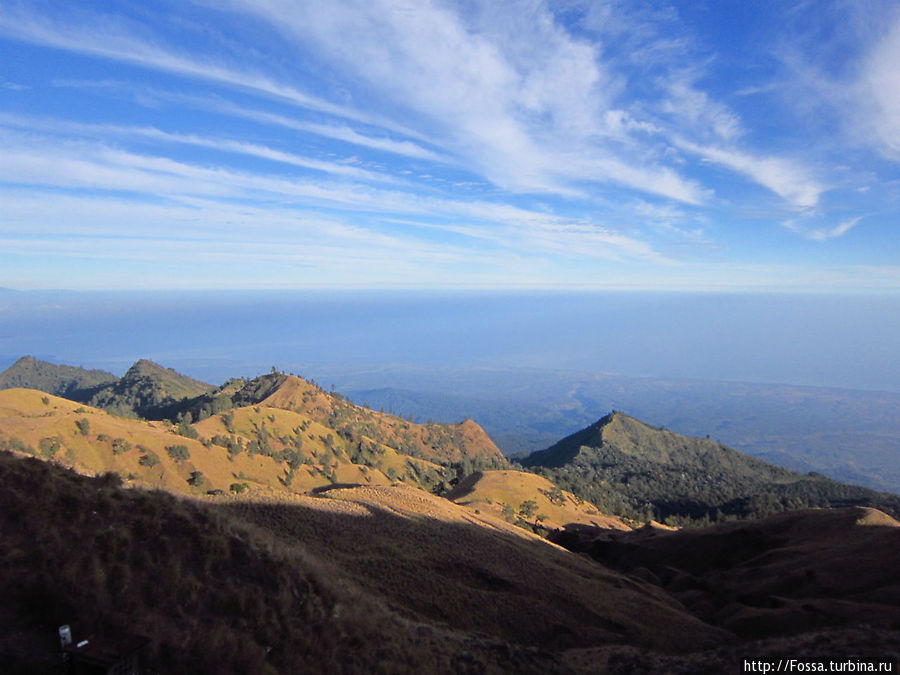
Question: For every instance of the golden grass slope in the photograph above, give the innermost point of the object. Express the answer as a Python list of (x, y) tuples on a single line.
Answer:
[(491, 491), (441, 443), (32, 422)]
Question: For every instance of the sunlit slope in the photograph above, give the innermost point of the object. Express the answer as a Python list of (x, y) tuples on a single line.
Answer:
[(440, 443), (311, 453), (152, 453), (521, 496), (253, 450)]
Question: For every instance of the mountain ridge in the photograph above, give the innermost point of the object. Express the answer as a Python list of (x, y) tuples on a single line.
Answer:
[(633, 469), (57, 379), (270, 535)]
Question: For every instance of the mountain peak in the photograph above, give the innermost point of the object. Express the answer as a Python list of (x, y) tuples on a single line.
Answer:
[(566, 450), (145, 367), (69, 381)]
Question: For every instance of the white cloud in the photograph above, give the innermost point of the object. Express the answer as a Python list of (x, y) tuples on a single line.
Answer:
[(63, 165), (788, 179), (337, 132), (695, 110), (527, 104), (106, 39), (880, 83), (55, 126), (822, 234)]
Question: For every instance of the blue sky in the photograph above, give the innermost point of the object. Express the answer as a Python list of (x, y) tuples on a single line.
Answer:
[(278, 144)]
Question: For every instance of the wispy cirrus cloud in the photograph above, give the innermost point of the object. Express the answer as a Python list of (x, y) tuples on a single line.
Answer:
[(571, 138), (111, 39), (880, 81), (788, 179), (820, 233), (527, 105), (45, 162), (98, 131)]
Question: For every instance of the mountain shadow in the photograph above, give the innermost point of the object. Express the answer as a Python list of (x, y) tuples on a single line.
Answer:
[(783, 575), (391, 579)]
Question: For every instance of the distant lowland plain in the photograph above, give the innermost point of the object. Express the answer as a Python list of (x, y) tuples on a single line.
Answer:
[(811, 382)]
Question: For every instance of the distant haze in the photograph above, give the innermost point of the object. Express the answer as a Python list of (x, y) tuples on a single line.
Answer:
[(836, 340)]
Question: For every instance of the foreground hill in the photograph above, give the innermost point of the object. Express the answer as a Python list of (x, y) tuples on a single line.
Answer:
[(391, 579), (787, 574), (633, 469)]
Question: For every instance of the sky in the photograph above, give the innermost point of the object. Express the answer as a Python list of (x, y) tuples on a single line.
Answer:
[(277, 144)]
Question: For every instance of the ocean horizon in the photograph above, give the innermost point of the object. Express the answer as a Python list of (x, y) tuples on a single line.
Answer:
[(844, 341)]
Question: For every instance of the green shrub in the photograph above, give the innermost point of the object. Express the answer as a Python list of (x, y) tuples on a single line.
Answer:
[(148, 459), (84, 426), (528, 508), (178, 452), (185, 428), (228, 421), (48, 447), (238, 488), (196, 479), (120, 446)]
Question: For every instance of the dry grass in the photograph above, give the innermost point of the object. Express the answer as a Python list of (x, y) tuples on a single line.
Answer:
[(439, 563), (490, 491), (414, 585), (787, 574), (441, 443), (26, 417)]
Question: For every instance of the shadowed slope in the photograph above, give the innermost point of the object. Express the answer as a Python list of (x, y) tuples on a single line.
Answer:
[(786, 574), (391, 578)]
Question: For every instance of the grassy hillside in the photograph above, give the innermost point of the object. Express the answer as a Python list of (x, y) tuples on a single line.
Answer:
[(465, 443), (252, 451), (148, 390), (390, 579), (631, 469), (790, 573), (68, 381), (527, 498)]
